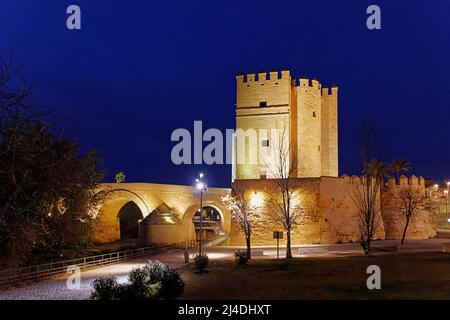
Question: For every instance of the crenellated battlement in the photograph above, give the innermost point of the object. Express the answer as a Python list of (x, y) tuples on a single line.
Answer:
[(327, 92), (263, 77), (404, 181), (392, 182)]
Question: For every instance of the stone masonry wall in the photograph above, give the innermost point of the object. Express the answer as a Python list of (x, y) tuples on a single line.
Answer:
[(329, 213), (423, 224)]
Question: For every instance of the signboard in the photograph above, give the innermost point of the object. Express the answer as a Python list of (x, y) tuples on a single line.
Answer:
[(278, 234)]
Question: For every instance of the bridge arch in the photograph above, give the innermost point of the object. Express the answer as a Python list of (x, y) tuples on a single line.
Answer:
[(112, 214), (167, 211), (225, 218)]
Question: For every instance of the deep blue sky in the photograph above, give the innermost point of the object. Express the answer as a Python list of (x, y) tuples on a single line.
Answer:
[(140, 69)]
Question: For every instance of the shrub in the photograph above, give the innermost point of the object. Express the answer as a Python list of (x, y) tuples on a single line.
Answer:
[(139, 287), (168, 279), (201, 261), (171, 284), (104, 289), (153, 281), (155, 270), (241, 257)]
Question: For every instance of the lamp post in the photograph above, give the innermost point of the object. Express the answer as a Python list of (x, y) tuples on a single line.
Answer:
[(435, 189), (446, 202), (202, 187), (448, 191)]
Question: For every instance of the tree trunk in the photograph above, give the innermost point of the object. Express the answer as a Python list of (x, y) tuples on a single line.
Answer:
[(249, 253), (288, 245), (404, 232), (367, 249)]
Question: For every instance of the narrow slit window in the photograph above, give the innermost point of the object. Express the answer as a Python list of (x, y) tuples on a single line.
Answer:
[(262, 174)]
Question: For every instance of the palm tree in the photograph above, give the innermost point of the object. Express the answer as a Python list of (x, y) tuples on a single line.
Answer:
[(399, 165), (120, 177), (376, 168)]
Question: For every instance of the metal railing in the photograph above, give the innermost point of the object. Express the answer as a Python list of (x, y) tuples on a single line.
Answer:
[(25, 275)]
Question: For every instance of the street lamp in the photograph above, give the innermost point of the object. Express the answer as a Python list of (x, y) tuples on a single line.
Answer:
[(202, 187), (446, 202), (434, 189)]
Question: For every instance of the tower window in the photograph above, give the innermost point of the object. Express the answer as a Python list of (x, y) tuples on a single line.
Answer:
[(263, 104), (262, 174), (318, 147), (314, 114), (265, 142)]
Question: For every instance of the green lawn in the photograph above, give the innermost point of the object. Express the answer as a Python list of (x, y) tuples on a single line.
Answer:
[(403, 276)]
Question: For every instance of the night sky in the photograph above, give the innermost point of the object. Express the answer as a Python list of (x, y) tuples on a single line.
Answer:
[(137, 70)]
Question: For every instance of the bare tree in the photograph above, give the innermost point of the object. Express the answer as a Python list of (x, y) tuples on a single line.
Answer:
[(286, 208), (365, 193), (366, 190), (412, 200), (242, 212), (366, 143)]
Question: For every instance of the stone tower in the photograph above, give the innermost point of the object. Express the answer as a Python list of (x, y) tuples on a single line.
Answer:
[(274, 107)]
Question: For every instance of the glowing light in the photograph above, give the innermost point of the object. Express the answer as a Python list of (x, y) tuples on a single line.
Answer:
[(200, 185), (256, 199), (169, 220)]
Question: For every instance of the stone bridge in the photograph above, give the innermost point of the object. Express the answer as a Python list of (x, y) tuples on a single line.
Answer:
[(157, 213)]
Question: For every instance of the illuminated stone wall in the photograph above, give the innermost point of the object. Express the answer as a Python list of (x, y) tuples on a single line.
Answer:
[(259, 193), (308, 112), (424, 223), (329, 214), (256, 123)]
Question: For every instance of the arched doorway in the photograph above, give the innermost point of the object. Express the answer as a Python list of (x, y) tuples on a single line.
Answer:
[(129, 217), (211, 223)]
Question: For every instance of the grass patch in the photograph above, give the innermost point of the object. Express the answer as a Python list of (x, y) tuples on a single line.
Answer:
[(403, 276)]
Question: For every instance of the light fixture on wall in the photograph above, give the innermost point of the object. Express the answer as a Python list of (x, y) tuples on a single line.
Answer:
[(256, 199)]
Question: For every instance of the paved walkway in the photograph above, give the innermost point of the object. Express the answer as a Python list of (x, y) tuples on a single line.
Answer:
[(56, 289)]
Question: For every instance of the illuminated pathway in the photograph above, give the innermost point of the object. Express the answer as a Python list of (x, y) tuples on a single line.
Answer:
[(57, 289)]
